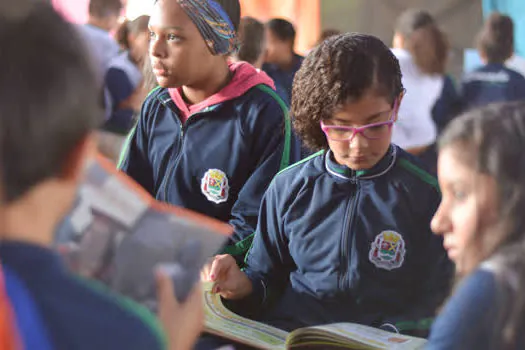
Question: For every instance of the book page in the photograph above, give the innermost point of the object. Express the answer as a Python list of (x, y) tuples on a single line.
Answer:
[(222, 322), (372, 338)]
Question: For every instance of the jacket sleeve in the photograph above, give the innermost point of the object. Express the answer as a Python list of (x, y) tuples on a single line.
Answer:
[(268, 263), (134, 157), (434, 273), (271, 132)]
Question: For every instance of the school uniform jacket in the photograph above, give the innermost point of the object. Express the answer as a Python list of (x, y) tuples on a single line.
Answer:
[(336, 245), (220, 161), (491, 83)]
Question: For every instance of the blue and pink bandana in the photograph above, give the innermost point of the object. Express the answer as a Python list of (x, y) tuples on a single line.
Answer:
[(214, 24)]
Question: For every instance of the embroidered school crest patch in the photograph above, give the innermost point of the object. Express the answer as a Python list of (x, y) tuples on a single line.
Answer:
[(214, 185), (387, 250)]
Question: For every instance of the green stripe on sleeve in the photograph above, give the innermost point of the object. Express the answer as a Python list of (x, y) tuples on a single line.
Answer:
[(285, 159), (303, 161), (125, 147), (241, 247), (422, 174)]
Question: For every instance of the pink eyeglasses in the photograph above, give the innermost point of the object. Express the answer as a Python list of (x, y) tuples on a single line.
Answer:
[(370, 131)]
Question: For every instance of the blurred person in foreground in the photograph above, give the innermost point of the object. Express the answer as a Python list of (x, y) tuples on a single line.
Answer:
[(44, 143)]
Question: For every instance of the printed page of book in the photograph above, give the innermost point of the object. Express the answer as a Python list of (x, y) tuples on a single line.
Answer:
[(368, 337), (222, 322)]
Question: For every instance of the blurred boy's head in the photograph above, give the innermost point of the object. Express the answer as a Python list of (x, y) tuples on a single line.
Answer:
[(252, 40), (496, 39), (48, 102), (280, 40), (190, 39), (104, 13)]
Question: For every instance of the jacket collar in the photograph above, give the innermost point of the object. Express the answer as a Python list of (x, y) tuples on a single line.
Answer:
[(343, 172)]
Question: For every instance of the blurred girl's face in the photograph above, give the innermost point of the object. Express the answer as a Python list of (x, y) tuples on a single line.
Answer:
[(467, 211)]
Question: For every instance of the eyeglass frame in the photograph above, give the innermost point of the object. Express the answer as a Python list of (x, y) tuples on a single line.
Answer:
[(361, 129)]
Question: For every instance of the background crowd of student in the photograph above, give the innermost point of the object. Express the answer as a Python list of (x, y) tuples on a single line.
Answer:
[(227, 118)]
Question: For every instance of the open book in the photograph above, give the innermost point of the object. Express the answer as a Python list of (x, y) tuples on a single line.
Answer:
[(222, 322), (118, 234)]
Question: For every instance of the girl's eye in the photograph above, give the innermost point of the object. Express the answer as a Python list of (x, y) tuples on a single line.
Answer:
[(152, 35), (173, 37), (459, 195)]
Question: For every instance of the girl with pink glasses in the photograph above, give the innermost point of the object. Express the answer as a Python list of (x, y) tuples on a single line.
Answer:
[(344, 236)]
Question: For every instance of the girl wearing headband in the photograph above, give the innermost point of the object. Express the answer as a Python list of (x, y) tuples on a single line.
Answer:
[(214, 133)]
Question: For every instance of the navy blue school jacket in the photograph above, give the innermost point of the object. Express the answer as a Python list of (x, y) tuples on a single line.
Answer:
[(55, 310), (336, 245), (491, 83), (219, 162)]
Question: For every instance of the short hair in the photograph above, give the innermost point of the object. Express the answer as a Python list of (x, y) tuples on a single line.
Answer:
[(251, 35), (282, 29), (104, 8), (341, 70), (496, 39), (48, 97)]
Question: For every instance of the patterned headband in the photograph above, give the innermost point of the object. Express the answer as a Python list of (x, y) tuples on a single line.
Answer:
[(214, 24)]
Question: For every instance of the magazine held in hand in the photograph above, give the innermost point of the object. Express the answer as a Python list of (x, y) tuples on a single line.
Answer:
[(118, 234)]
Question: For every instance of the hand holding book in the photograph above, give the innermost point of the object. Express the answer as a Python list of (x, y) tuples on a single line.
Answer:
[(228, 279)]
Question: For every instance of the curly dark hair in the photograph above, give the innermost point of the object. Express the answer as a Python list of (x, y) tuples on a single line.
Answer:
[(340, 70)]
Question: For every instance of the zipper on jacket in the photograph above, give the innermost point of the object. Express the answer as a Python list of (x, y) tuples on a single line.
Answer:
[(347, 231), (175, 157)]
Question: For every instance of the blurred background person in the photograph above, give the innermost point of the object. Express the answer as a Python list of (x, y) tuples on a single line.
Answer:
[(252, 42), (124, 83), (493, 82), (281, 61), (422, 50), (103, 16)]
